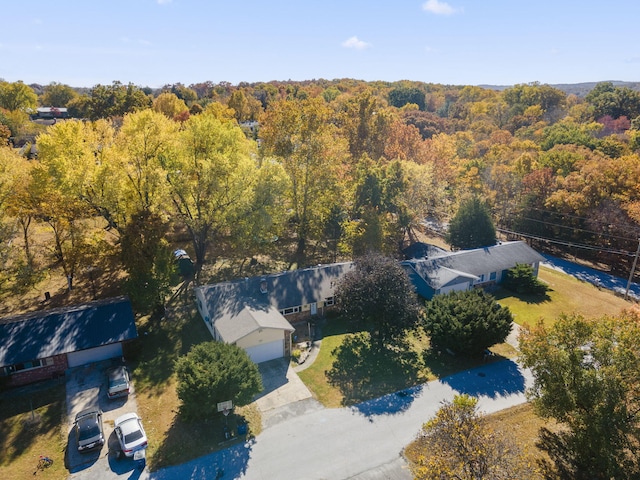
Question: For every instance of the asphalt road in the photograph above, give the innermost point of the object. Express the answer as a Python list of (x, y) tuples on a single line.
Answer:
[(361, 442), (595, 277)]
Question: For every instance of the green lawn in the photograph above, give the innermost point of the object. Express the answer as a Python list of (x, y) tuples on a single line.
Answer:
[(566, 295), (362, 376), (172, 441), (338, 382), (30, 426)]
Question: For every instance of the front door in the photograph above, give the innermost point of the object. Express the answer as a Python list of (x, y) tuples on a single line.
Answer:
[(314, 309)]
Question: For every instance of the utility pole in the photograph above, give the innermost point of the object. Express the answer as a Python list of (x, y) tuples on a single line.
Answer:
[(633, 269)]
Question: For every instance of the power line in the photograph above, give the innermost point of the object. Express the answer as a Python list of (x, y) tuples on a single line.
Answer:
[(579, 229), (577, 217), (568, 244)]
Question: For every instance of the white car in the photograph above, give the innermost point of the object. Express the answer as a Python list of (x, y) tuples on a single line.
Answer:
[(130, 433)]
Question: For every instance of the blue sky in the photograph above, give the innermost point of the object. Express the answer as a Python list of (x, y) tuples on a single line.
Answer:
[(462, 42)]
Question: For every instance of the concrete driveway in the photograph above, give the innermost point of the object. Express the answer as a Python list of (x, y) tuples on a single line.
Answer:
[(284, 395), (86, 387)]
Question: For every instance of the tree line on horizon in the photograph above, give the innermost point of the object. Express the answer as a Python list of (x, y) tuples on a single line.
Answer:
[(339, 168)]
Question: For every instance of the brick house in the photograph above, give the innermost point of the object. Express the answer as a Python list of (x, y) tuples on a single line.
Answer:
[(41, 345)]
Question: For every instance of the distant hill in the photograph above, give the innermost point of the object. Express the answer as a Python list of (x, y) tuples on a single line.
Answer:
[(579, 89)]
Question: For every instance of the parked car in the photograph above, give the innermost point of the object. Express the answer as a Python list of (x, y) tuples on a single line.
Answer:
[(130, 433), (88, 427), (118, 382)]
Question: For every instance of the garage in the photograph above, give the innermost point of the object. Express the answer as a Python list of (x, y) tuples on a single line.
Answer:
[(266, 352), (92, 355)]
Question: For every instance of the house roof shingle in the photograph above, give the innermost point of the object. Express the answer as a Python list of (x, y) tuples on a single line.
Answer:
[(453, 267), (244, 302), (63, 330)]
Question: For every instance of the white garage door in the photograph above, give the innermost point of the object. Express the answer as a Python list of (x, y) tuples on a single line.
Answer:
[(94, 354), (266, 352)]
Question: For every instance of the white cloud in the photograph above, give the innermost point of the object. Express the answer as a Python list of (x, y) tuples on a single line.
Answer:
[(144, 42), (355, 42), (163, 2), (439, 8)]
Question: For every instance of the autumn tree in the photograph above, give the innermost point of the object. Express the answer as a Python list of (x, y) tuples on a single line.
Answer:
[(300, 135), (115, 100), (466, 322), (586, 378), (365, 123), (57, 95), (616, 102), (471, 227), (59, 181), (459, 443), (217, 187), (377, 293), (170, 105), (147, 258), (17, 96)]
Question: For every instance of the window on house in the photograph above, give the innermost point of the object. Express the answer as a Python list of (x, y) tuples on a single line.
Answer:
[(328, 301), (289, 311), (481, 279), (493, 276), (18, 367)]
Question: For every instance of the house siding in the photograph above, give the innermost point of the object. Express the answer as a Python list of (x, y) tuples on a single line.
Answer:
[(24, 377)]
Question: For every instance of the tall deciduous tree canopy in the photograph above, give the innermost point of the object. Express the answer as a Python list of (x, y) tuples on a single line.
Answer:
[(458, 443), (471, 227), (218, 188), (300, 135), (586, 377), (378, 294), (214, 372), (466, 322), (17, 96), (57, 95)]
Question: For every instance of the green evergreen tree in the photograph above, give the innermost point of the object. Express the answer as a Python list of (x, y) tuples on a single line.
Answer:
[(472, 226), (214, 372), (466, 322)]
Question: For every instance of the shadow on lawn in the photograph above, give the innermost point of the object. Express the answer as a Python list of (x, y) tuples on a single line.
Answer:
[(362, 371), (27, 414), (528, 298), (204, 441), (163, 338)]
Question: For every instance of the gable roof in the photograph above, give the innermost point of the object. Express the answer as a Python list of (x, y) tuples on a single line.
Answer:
[(422, 250), (458, 267), (249, 320), (283, 290), (240, 307), (63, 330)]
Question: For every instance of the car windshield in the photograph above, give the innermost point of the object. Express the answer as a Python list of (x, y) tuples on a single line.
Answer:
[(117, 378), (117, 382), (88, 429), (133, 436)]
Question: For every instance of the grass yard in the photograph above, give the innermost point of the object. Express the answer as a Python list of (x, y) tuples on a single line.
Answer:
[(27, 434), (566, 295), (519, 423), (171, 441), (369, 376), (362, 376)]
